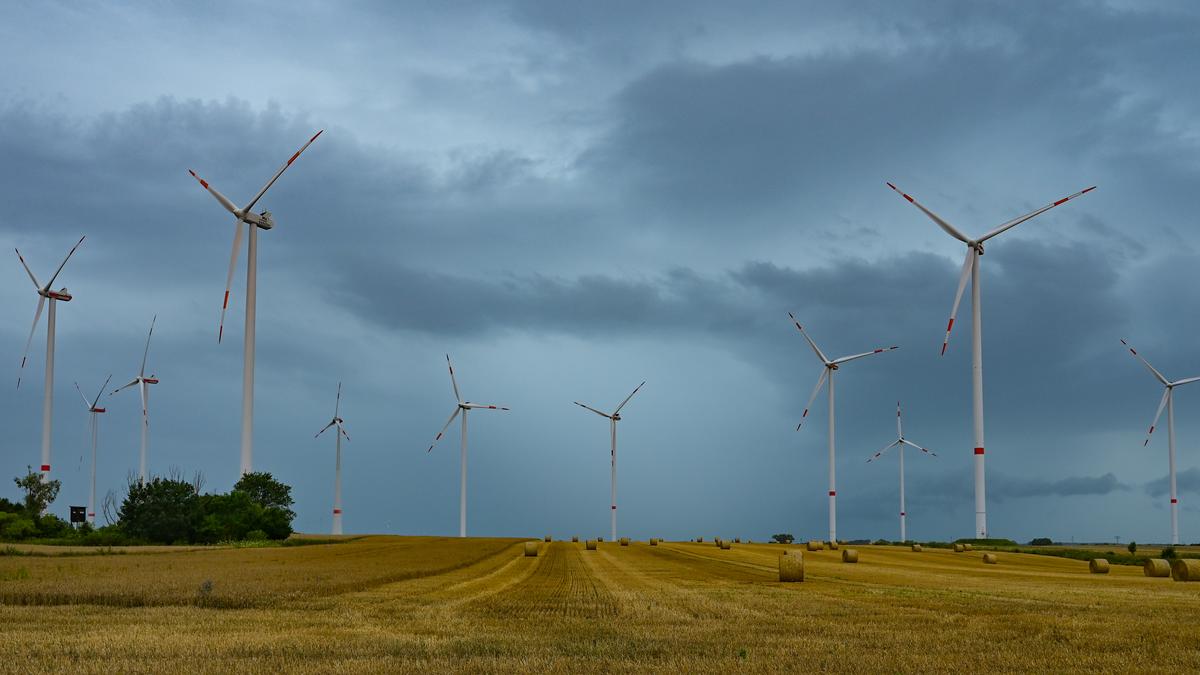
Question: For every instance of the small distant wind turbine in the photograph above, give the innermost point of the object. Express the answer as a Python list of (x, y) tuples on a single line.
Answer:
[(613, 419), (44, 293), (143, 381), (337, 480), (94, 409), (463, 407), (830, 365), (1168, 402), (900, 442), (971, 269), (242, 217)]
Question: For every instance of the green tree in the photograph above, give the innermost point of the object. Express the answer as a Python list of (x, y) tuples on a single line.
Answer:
[(1132, 548), (783, 538), (162, 510), (1041, 541), (267, 492), (39, 494)]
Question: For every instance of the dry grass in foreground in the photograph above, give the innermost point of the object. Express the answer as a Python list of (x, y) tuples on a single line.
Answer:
[(391, 603)]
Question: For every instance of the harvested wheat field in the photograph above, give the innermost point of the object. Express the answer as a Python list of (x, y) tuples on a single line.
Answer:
[(405, 603)]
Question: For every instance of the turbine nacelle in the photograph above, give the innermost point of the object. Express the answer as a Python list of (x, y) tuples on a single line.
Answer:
[(261, 220), (61, 294)]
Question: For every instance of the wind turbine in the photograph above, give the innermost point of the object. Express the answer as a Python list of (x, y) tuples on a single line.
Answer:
[(44, 293), (830, 365), (337, 480), (246, 216), (971, 269), (900, 442), (94, 409), (613, 419), (1168, 401), (463, 407), (143, 383)]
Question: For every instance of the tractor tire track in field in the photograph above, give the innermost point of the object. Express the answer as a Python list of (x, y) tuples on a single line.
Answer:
[(561, 585)]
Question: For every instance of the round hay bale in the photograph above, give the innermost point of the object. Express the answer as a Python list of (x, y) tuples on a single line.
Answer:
[(726, 545), (624, 541), (699, 540), (531, 549), (916, 548), (816, 546), (654, 542), (1098, 566), (990, 559), (1156, 567), (1185, 569), (833, 546), (966, 547), (590, 545), (849, 555), (547, 539), (575, 539), (959, 548), (791, 566)]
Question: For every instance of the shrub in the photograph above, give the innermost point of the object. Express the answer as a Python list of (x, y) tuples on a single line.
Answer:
[(1132, 548), (783, 538), (1168, 552), (1041, 541), (161, 510), (19, 528)]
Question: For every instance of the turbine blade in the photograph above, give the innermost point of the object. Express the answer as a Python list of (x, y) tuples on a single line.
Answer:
[(949, 229), (453, 382), (1161, 404), (1017, 221), (1185, 381), (816, 390), (846, 359), (237, 243), (1146, 363), (220, 197), (899, 428), (85, 401), (145, 413), (101, 392), (815, 348), (602, 414), (447, 426), (337, 404), (64, 262), (629, 397), (968, 263), (924, 450), (280, 173), (879, 454), (146, 353), (36, 315), (27, 270), (323, 429), (342, 430), (123, 387)]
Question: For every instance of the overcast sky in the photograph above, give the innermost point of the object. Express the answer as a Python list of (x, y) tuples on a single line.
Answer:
[(571, 198)]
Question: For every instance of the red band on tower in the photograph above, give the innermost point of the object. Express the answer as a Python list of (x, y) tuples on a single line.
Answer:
[(979, 451)]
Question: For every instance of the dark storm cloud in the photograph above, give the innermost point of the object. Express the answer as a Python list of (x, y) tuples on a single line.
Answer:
[(1186, 481), (683, 176)]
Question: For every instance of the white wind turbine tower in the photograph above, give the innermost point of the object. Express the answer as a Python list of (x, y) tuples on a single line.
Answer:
[(94, 409), (613, 419), (971, 269), (143, 382), (1168, 401), (337, 475), (900, 442), (44, 293), (245, 216), (463, 407), (830, 365)]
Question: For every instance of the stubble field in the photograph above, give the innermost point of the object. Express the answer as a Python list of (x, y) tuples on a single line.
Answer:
[(406, 603)]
